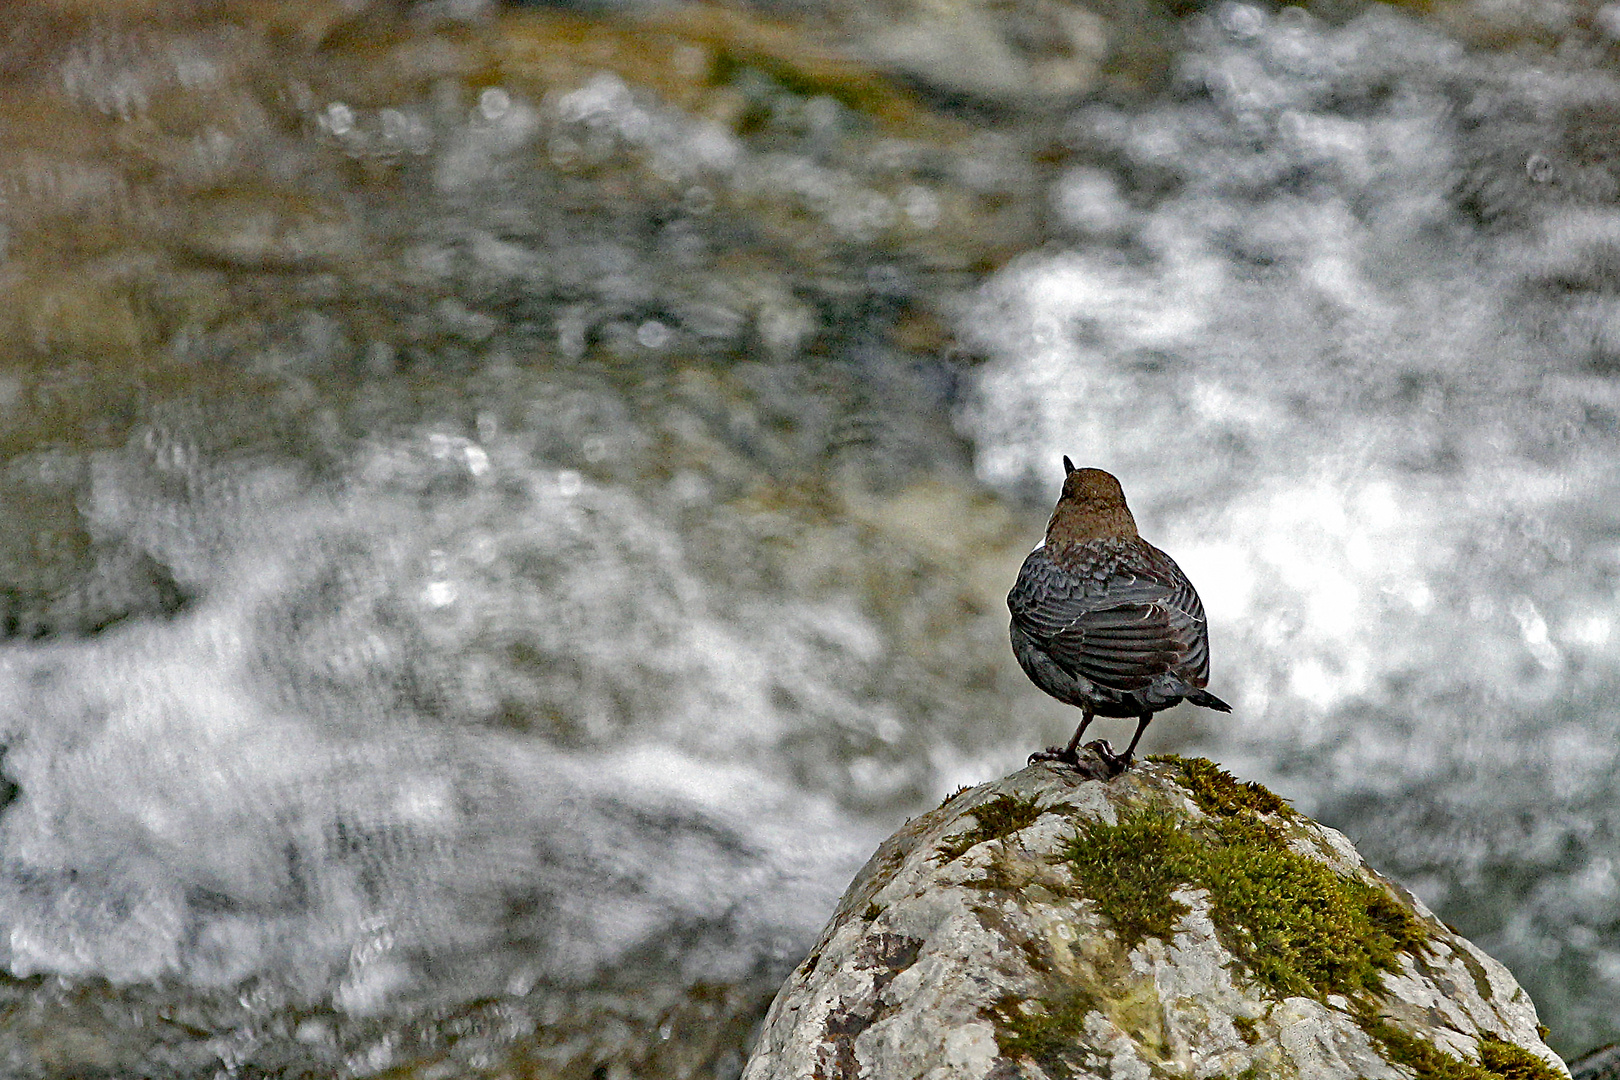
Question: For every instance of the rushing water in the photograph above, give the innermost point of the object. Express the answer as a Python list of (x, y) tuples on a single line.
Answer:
[(1347, 330), (496, 533)]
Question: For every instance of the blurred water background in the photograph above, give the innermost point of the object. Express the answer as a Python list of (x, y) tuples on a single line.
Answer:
[(503, 507)]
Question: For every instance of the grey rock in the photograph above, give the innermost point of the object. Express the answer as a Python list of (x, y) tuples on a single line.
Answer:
[(986, 939)]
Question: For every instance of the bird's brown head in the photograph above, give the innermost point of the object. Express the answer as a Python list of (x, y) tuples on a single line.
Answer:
[(1092, 507)]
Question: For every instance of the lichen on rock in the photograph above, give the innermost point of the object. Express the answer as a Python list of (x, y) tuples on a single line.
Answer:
[(1172, 921)]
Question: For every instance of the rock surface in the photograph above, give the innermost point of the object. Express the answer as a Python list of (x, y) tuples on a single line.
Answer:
[(1168, 922)]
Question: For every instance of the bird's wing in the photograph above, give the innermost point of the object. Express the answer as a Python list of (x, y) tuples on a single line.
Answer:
[(1144, 620)]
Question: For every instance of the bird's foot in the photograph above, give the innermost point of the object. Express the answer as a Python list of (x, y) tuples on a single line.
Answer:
[(1055, 753), (1111, 763), (1115, 763)]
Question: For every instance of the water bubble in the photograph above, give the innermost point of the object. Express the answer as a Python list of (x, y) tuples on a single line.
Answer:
[(403, 131), (689, 487), (338, 118), (920, 206), (313, 1032), (1241, 21), (861, 215), (822, 112), (1533, 628), (1539, 168), (494, 103), (598, 100), (784, 327), (1090, 199), (653, 334)]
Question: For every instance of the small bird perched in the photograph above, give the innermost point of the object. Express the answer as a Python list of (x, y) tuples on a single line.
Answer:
[(1105, 621)]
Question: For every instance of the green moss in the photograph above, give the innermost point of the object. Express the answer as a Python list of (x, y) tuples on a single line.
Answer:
[(1498, 1060), (1139, 1013), (1419, 1054), (1513, 1062), (1246, 1029), (1476, 971), (1221, 794), (1129, 869), (1000, 816), (1298, 927), (1051, 1033)]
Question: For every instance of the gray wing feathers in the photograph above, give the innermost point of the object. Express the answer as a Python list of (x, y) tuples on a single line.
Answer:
[(1121, 632)]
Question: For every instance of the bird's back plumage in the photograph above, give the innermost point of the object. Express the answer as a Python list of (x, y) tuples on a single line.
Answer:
[(1118, 611)]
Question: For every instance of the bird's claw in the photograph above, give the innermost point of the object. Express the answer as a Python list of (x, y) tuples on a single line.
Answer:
[(1116, 763), (1055, 753), (1113, 764)]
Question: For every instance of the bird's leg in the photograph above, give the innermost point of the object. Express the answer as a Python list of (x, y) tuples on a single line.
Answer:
[(1067, 754), (1124, 760), (1068, 751)]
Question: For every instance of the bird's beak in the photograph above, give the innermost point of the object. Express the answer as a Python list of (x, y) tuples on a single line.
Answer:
[(1068, 466)]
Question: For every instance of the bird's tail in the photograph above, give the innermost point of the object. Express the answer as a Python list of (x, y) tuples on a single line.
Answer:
[(1208, 701)]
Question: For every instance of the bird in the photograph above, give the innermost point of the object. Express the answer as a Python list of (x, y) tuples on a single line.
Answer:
[(1104, 621)]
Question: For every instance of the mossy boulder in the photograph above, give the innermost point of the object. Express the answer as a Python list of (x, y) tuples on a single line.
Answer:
[(1171, 921)]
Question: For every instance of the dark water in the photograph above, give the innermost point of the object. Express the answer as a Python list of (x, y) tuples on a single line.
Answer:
[(506, 508)]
